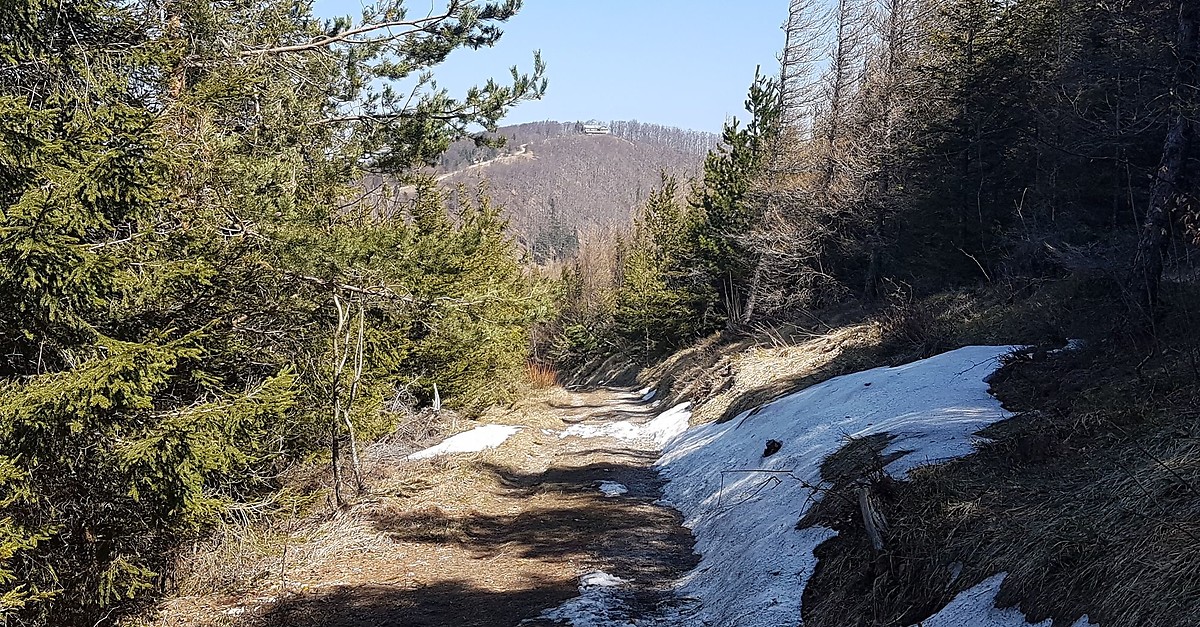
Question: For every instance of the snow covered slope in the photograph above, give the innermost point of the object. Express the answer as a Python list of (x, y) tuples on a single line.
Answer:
[(743, 506), (755, 563)]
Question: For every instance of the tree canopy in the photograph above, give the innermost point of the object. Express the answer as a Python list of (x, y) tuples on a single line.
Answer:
[(200, 286)]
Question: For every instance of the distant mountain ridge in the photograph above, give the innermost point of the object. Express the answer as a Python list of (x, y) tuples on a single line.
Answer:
[(557, 183)]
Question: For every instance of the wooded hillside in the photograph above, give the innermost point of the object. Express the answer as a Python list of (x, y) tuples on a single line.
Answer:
[(558, 186), (908, 147)]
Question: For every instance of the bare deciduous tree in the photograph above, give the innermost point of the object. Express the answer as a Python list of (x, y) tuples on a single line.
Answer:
[(1164, 194)]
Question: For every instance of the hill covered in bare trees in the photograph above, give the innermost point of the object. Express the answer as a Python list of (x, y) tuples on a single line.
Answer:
[(557, 184)]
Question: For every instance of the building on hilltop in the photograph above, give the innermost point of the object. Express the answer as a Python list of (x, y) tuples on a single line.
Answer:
[(594, 127)]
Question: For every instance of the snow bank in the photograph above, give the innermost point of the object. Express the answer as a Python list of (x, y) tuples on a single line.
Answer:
[(473, 441), (976, 607), (667, 425), (755, 563)]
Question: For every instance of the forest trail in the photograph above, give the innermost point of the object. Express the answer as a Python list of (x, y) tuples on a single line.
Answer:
[(522, 152), (492, 538)]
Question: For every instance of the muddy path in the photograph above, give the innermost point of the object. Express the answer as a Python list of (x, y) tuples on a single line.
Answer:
[(499, 537)]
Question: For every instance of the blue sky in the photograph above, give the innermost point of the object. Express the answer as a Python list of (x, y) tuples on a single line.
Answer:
[(684, 63)]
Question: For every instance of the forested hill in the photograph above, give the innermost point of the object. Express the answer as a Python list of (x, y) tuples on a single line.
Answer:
[(556, 184), (465, 152)]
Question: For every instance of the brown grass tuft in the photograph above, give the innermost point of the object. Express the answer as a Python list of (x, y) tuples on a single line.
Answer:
[(541, 376)]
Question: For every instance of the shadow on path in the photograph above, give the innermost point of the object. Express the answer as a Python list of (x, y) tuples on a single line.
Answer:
[(561, 518), (631, 535), (441, 604)]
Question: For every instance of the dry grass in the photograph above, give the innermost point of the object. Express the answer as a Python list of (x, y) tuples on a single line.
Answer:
[(723, 379), (423, 525), (1089, 499), (724, 375), (763, 373), (541, 376)]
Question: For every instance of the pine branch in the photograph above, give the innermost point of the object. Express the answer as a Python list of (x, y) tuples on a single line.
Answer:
[(423, 25)]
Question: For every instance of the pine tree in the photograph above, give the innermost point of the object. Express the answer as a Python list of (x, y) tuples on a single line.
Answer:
[(199, 287), (726, 213)]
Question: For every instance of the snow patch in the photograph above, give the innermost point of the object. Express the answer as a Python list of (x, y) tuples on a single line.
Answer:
[(620, 430), (1071, 347), (612, 488), (473, 441), (754, 563), (661, 430), (977, 607), (600, 579), (599, 604)]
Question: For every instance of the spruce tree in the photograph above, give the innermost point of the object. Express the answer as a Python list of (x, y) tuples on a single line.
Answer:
[(726, 212), (201, 287), (660, 302)]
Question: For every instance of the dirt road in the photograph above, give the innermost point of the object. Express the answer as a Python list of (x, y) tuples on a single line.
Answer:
[(492, 538)]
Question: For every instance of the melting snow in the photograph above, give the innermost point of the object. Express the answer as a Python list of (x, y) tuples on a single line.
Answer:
[(612, 488), (754, 563), (976, 607), (600, 579), (667, 425), (475, 440), (599, 604)]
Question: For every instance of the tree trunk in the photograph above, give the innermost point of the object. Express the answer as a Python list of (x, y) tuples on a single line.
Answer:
[(755, 287), (873, 520), (336, 453), (1152, 244), (874, 265)]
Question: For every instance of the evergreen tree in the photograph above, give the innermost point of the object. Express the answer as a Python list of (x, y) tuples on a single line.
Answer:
[(199, 289), (660, 304), (726, 213)]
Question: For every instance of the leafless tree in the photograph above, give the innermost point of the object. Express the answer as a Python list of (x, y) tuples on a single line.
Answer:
[(889, 89), (846, 53), (1164, 194), (805, 33)]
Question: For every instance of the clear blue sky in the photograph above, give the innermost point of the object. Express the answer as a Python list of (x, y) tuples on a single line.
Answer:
[(684, 63)]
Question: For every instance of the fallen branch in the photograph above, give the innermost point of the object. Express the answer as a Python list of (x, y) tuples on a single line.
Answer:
[(874, 521)]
